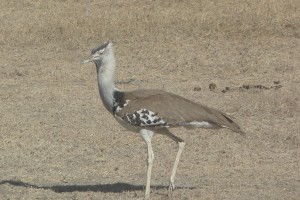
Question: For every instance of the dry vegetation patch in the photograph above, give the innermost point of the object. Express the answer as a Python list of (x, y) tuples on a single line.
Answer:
[(58, 142)]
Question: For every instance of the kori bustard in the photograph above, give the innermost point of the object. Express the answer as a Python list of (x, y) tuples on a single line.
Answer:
[(152, 111)]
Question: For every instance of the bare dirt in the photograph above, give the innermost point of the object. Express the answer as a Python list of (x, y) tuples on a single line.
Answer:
[(57, 141)]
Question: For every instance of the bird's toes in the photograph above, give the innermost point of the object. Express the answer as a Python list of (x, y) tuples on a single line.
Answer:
[(171, 186)]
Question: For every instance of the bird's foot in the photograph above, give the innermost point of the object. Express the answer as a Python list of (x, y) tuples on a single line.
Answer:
[(171, 186)]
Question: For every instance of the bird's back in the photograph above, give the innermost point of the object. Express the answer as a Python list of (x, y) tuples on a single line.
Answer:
[(176, 110)]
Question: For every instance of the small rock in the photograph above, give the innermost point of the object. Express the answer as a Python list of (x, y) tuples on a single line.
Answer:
[(276, 82), (246, 87), (225, 89), (197, 88), (212, 86)]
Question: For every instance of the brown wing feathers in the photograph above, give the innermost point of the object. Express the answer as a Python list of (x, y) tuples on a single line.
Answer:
[(174, 109)]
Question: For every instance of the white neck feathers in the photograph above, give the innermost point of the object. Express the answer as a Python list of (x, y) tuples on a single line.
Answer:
[(105, 76)]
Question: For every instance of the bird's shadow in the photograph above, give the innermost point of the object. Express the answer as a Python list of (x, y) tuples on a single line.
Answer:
[(112, 188)]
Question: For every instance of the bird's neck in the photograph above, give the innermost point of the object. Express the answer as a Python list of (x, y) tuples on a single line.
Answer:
[(105, 76)]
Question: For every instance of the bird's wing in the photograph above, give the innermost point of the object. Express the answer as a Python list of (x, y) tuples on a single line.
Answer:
[(160, 108)]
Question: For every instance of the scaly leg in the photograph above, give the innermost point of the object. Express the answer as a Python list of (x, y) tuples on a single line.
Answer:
[(180, 149), (181, 145), (147, 136)]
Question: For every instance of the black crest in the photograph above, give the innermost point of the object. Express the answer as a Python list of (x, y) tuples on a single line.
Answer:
[(102, 46)]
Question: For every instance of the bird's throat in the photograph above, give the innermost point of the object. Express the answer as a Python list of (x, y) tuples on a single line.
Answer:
[(105, 77)]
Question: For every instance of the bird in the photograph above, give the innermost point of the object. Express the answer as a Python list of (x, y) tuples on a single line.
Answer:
[(149, 111)]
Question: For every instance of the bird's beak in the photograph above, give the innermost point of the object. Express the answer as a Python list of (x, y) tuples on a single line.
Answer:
[(91, 58), (86, 61)]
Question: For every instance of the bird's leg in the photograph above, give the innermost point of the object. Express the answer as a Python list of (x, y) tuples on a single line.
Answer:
[(181, 145), (147, 136)]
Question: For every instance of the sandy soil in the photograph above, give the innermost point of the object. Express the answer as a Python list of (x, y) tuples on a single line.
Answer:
[(57, 141)]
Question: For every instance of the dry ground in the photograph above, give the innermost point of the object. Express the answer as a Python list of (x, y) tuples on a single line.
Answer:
[(58, 142)]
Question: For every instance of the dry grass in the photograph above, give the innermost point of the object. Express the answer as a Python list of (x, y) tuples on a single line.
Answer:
[(58, 142), (73, 23)]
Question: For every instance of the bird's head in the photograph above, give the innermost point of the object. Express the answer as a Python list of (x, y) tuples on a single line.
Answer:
[(100, 53)]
